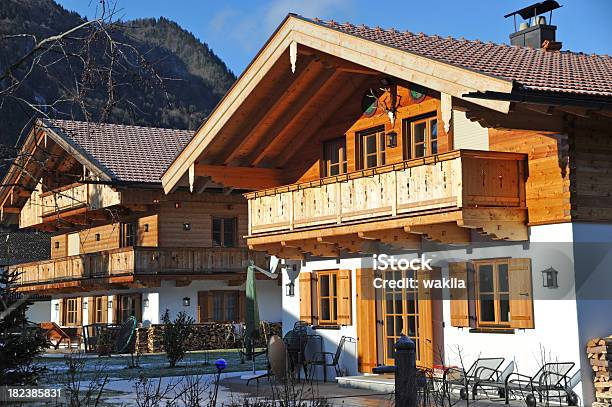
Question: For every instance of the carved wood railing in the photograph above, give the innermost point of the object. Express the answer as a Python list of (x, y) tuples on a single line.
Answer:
[(448, 181), (138, 261)]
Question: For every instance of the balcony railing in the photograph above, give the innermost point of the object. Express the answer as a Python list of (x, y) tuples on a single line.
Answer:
[(444, 182), (69, 197), (138, 261)]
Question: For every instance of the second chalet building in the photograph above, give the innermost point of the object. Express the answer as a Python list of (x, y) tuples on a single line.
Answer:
[(491, 161), (120, 246)]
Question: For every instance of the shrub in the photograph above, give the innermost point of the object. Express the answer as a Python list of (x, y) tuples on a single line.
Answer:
[(175, 336)]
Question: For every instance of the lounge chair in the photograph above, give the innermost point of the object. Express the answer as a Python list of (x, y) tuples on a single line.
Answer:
[(497, 381), (551, 379), (482, 369), (55, 333)]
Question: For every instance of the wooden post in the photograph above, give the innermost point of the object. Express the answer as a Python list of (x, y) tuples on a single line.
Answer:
[(405, 374)]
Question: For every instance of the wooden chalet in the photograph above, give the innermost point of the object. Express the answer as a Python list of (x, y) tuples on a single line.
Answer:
[(120, 246), (352, 141)]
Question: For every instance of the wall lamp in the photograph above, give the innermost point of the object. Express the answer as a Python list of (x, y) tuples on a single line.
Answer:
[(549, 278), (290, 289), (186, 302), (392, 139)]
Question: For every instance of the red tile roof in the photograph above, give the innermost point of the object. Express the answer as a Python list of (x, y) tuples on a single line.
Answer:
[(558, 71), (125, 153)]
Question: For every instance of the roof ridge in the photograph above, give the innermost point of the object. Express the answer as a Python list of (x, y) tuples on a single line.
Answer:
[(81, 122), (393, 30)]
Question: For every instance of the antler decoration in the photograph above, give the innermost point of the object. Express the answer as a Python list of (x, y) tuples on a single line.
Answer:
[(394, 103)]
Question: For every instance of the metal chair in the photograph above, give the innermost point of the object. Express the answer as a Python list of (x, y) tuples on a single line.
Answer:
[(329, 359), (482, 369)]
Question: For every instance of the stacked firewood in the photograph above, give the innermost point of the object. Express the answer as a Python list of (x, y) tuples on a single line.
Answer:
[(599, 351)]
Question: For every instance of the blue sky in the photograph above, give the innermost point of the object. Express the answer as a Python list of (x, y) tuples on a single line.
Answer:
[(235, 30)]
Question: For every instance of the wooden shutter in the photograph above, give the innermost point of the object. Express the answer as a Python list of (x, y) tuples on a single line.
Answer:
[(115, 309), (204, 306), (305, 282), (344, 298), (79, 314), (425, 296), (365, 298), (91, 308), (61, 317), (461, 299), (105, 309), (521, 293), (138, 307)]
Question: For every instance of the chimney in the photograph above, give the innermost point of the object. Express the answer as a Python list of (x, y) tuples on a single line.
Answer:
[(534, 31)]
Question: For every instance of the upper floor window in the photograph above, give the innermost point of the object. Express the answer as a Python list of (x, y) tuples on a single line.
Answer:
[(421, 137), (334, 157), (224, 232), (127, 234), (372, 148)]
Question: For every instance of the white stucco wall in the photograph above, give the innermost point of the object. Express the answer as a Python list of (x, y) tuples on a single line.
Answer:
[(556, 327)]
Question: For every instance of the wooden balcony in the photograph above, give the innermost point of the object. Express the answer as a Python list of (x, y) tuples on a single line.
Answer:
[(134, 266), (71, 197), (438, 196)]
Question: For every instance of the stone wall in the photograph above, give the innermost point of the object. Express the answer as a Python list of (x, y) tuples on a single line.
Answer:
[(206, 336)]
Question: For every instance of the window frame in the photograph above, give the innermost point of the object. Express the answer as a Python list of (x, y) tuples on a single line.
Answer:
[(331, 299), (409, 140), (99, 308), (380, 153), (222, 231), (497, 292), (69, 314), (328, 147), (119, 316), (128, 234)]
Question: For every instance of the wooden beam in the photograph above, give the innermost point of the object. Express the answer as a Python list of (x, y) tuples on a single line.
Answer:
[(396, 237), (576, 111), (347, 90), (448, 233), (285, 96), (276, 249), (9, 209), (544, 109), (516, 120), (314, 247), (293, 114), (252, 178), (351, 243)]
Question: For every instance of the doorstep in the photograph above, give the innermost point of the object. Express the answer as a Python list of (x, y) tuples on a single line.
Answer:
[(374, 382)]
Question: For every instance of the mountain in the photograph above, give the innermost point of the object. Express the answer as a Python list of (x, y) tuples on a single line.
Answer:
[(195, 81)]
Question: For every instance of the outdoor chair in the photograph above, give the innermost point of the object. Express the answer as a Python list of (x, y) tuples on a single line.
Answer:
[(482, 369), (551, 380), (328, 359), (497, 381), (55, 333)]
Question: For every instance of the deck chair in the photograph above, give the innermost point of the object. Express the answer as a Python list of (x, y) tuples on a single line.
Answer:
[(572, 397), (551, 380), (328, 359), (56, 335), (496, 382), (482, 369)]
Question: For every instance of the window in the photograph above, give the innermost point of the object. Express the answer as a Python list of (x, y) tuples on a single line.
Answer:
[(127, 234), (334, 157), (224, 232), (128, 306), (71, 312), (327, 289), (220, 306), (372, 148), (421, 137), (325, 297), (99, 309), (493, 293), (498, 294)]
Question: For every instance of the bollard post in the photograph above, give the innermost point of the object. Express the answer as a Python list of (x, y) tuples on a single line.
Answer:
[(405, 374)]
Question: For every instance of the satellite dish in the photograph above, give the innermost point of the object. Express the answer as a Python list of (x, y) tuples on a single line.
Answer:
[(273, 268)]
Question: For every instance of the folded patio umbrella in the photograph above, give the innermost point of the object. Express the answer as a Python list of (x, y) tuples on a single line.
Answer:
[(252, 310)]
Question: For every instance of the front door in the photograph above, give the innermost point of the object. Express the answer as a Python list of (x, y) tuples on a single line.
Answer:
[(406, 311)]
